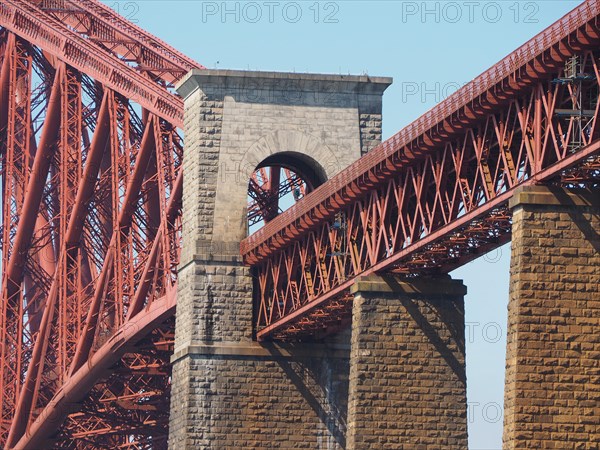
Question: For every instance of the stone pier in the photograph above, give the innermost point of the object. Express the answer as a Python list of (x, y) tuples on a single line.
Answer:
[(552, 391), (407, 387)]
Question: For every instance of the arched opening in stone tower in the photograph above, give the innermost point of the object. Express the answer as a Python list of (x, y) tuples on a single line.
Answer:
[(279, 182)]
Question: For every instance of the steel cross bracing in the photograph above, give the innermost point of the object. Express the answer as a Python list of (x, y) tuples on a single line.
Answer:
[(91, 57), (98, 23), (266, 188), (91, 192), (434, 196)]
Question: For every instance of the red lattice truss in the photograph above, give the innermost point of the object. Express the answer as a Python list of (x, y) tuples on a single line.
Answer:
[(91, 192), (435, 195)]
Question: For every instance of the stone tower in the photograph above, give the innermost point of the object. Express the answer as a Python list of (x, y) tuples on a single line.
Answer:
[(228, 390)]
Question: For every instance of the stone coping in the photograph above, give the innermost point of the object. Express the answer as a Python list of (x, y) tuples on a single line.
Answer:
[(268, 351), (306, 82), (424, 287)]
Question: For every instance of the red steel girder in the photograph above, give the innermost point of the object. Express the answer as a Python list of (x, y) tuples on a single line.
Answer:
[(34, 190), (109, 244), (546, 51), (41, 29), (103, 26), (16, 150), (72, 236), (91, 231), (434, 196), (267, 188), (79, 384)]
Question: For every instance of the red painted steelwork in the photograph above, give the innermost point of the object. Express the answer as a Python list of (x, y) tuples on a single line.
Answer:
[(267, 193), (131, 44), (435, 195), (46, 32), (91, 197)]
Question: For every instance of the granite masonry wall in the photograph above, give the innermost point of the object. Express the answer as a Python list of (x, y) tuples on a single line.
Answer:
[(407, 384)]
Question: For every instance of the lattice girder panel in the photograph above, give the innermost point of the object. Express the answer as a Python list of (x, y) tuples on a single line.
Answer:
[(437, 203), (88, 248), (38, 28), (130, 401), (113, 33), (267, 191), (540, 58)]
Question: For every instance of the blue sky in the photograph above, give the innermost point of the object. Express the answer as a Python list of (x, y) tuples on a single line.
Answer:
[(430, 49)]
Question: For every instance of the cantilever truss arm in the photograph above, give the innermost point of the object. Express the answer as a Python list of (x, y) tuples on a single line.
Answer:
[(87, 182), (89, 250), (106, 28), (26, 20)]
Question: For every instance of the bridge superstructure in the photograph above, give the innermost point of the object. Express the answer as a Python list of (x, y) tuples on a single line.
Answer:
[(92, 184), (435, 195)]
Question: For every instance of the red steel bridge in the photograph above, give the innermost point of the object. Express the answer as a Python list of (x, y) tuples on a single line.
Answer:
[(90, 157)]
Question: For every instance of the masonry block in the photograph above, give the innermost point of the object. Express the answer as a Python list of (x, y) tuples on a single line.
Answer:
[(407, 386), (249, 396), (552, 390)]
